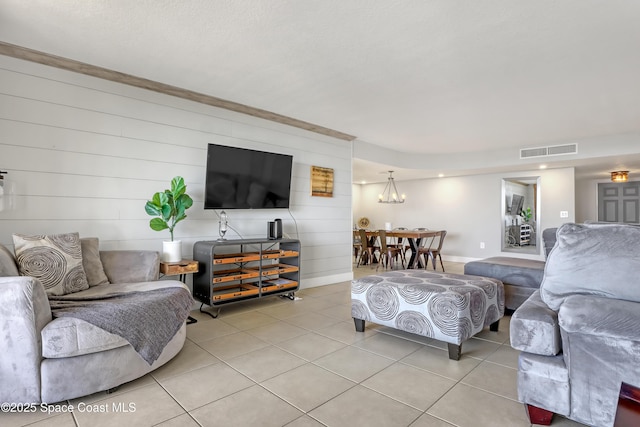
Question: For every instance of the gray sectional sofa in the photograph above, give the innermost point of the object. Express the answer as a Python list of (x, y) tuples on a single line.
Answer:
[(521, 277), (48, 358), (579, 334)]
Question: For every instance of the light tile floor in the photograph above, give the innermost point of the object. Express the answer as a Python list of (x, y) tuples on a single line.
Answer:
[(278, 362)]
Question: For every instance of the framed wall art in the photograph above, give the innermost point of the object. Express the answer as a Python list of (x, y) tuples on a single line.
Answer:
[(321, 181)]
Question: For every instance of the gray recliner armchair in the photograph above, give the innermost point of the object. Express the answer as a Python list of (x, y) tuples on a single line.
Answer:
[(579, 335)]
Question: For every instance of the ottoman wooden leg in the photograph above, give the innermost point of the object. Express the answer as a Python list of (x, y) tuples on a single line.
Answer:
[(494, 326), (359, 324), (454, 351)]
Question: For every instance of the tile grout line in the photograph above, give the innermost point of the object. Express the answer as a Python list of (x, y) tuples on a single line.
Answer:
[(178, 403)]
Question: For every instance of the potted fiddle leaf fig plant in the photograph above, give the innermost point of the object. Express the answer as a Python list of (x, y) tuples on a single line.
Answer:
[(169, 208), (526, 214)]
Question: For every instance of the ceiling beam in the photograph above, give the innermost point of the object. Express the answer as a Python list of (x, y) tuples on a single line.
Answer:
[(27, 54)]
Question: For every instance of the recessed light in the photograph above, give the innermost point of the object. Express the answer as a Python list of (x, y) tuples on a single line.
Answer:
[(543, 166), (440, 175)]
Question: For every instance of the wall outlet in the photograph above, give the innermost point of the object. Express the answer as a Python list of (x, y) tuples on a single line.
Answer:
[(564, 214), (481, 245)]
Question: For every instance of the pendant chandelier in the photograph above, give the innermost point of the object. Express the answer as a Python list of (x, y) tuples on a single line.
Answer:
[(390, 193)]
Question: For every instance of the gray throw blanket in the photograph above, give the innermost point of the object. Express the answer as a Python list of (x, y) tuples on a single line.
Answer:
[(148, 320)]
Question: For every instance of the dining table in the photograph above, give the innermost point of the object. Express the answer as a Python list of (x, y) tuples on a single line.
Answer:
[(414, 238)]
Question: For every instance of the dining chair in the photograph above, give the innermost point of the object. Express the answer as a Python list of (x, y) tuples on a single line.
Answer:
[(399, 241), (433, 253), (388, 253), (357, 244), (422, 242), (367, 250)]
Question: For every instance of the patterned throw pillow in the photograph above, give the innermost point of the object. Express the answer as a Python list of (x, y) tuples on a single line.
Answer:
[(55, 260)]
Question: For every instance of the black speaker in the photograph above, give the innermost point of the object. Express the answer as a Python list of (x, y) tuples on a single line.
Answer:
[(274, 229), (278, 222)]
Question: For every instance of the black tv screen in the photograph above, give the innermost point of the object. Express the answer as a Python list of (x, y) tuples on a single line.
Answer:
[(239, 178), (516, 204)]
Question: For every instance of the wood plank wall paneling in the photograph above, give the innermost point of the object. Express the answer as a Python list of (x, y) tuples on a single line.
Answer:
[(84, 155), (115, 76)]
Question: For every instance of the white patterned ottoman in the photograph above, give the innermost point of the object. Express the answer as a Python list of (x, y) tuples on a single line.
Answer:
[(447, 307)]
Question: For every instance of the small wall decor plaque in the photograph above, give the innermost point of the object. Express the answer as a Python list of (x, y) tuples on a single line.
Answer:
[(321, 181)]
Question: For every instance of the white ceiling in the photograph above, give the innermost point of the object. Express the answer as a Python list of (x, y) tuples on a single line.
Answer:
[(424, 77)]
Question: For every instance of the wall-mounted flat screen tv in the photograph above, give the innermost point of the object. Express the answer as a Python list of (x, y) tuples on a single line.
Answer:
[(239, 178), (516, 204)]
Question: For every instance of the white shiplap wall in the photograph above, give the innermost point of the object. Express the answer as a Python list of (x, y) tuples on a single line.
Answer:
[(84, 154)]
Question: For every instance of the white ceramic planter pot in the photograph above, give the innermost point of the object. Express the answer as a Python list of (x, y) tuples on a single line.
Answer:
[(172, 251)]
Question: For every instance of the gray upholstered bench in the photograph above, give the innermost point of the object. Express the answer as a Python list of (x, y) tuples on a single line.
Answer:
[(447, 307), (521, 277)]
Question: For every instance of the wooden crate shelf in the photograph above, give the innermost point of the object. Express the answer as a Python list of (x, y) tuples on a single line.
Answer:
[(287, 254), (227, 293), (223, 276), (273, 254), (274, 269), (278, 285), (236, 258)]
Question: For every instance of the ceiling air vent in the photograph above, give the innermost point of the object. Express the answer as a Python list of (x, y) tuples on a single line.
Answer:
[(563, 149), (525, 153), (551, 150)]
